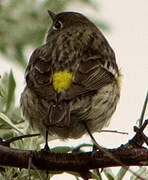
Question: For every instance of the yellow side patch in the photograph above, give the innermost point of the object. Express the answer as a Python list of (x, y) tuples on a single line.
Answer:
[(78, 15), (119, 80), (62, 80)]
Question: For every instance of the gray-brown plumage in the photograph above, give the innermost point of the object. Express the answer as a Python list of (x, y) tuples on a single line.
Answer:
[(76, 47)]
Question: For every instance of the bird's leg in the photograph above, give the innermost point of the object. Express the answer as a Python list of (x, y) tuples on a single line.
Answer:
[(96, 146), (46, 147)]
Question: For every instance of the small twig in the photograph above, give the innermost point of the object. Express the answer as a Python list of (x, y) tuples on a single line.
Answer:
[(112, 131), (9, 141), (29, 165), (143, 110), (138, 140), (144, 137)]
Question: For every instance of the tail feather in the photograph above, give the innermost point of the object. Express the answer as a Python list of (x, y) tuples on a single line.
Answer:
[(59, 115)]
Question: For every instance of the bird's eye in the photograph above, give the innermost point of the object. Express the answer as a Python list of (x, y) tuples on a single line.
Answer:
[(58, 25)]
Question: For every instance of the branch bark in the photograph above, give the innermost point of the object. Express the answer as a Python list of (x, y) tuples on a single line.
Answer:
[(77, 162)]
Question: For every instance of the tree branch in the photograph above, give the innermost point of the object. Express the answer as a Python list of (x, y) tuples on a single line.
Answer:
[(130, 154), (73, 161)]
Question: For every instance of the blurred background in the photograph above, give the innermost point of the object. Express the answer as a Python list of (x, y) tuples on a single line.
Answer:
[(23, 27)]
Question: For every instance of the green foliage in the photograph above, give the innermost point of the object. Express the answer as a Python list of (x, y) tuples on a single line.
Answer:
[(10, 115), (142, 172), (64, 149), (5, 119), (109, 174), (11, 89), (121, 173)]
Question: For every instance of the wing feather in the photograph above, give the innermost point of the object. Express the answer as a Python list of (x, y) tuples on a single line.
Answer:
[(90, 77), (39, 73)]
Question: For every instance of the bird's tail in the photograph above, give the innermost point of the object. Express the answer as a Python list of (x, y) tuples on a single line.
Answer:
[(59, 115)]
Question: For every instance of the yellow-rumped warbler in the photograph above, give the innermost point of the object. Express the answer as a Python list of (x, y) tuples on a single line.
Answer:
[(71, 79)]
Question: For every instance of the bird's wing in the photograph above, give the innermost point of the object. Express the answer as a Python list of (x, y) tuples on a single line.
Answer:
[(39, 73), (90, 77)]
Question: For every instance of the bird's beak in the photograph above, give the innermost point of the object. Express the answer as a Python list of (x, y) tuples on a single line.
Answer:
[(52, 15)]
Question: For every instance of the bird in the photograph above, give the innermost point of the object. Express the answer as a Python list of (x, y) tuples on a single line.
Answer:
[(72, 80)]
